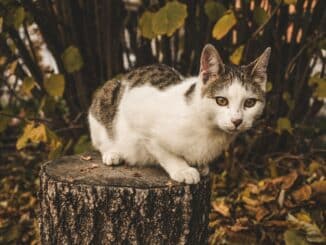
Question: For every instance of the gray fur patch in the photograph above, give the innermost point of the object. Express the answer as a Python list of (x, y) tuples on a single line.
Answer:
[(105, 104), (190, 92), (159, 76)]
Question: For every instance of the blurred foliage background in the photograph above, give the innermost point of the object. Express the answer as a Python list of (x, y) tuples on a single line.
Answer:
[(268, 187)]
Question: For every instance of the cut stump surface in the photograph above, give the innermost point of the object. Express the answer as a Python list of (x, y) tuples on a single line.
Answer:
[(83, 201)]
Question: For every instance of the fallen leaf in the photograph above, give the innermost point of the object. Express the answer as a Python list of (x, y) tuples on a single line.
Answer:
[(319, 187), (289, 180), (293, 237), (86, 158), (261, 213), (302, 194), (277, 223), (312, 231), (250, 201), (221, 208)]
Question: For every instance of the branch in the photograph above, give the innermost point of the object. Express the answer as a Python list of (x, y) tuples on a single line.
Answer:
[(260, 28)]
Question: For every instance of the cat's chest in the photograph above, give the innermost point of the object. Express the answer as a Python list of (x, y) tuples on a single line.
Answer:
[(203, 147)]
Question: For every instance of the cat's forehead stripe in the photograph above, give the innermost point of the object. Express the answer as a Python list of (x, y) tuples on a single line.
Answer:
[(232, 74)]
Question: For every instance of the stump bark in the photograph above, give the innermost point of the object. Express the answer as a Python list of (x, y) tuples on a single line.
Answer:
[(83, 201)]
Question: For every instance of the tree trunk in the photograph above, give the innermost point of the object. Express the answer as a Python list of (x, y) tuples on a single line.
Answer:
[(83, 201)]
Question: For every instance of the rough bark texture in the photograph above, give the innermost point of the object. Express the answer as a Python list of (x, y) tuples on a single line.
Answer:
[(83, 201)]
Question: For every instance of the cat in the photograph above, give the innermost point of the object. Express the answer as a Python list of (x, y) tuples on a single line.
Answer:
[(153, 114)]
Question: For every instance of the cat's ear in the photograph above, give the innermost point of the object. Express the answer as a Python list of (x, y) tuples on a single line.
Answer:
[(210, 63), (258, 68)]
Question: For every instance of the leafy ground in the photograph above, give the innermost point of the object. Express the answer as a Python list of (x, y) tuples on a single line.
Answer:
[(281, 201)]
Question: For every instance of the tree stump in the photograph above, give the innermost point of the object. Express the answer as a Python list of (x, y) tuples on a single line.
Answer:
[(83, 201)]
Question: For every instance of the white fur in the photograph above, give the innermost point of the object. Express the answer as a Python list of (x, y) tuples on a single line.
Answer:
[(155, 126)]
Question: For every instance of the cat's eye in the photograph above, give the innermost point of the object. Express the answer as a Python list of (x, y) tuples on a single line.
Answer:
[(250, 102), (221, 101)]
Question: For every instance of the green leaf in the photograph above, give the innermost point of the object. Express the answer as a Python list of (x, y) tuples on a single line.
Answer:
[(169, 18), (293, 237), (290, 1), (287, 98), (320, 86), (54, 143), (83, 144), (311, 231), (260, 16), (27, 86), (4, 121), (145, 25), (236, 56), (224, 25), (214, 10), (283, 124), (18, 17), (55, 85), (269, 87), (72, 59)]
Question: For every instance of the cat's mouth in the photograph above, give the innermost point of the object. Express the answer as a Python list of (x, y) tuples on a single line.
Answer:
[(233, 131)]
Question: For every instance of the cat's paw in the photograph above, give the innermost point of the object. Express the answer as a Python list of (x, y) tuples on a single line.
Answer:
[(111, 158), (188, 175)]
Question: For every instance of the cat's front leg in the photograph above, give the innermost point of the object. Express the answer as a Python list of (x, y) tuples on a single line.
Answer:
[(176, 167)]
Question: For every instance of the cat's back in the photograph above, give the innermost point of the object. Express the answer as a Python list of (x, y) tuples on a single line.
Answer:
[(106, 101), (159, 76)]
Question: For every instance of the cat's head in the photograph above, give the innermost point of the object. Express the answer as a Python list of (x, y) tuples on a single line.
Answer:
[(233, 95)]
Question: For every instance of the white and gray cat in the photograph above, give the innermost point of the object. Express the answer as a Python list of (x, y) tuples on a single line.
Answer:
[(154, 115)]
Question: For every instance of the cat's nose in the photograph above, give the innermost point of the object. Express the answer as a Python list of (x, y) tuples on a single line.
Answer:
[(237, 122)]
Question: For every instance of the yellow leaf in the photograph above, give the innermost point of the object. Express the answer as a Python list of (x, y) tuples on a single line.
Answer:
[(283, 124), (12, 67), (169, 18), (72, 59), (224, 25), (320, 86), (39, 133), (33, 133), (269, 87), (160, 22), (27, 86), (214, 10), (145, 25), (55, 85), (303, 216), (236, 56)]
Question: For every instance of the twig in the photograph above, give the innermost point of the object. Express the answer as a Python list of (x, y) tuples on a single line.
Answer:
[(261, 27), (26, 119), (294, 59), (69, 128)]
